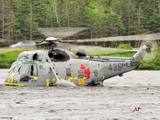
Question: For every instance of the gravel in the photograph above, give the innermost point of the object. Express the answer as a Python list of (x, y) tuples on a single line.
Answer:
[(135, 96)]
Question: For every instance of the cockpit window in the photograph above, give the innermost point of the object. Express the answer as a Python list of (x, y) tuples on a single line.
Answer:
[(81, 54), (35, 56), (58, 55)]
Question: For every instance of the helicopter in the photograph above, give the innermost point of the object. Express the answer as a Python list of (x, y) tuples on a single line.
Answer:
[(47, 67)]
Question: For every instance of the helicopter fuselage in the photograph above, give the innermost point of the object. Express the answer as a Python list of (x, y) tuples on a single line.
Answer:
[(41, 67), (94, 71)]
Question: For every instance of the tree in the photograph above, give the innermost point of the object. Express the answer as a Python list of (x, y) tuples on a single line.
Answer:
[(7, 19)]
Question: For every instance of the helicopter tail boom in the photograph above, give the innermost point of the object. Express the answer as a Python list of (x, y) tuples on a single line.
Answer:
[(138, 57)]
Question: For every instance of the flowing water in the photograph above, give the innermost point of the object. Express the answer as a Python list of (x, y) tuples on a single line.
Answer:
[(135, 96)]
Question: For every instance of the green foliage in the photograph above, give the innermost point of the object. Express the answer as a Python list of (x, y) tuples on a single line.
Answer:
[(152, 23), (107, 17), (125, 46), (7, 58), (100, 14), (95, 12)]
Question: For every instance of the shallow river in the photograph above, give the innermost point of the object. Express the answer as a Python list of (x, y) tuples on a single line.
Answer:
[(135, 96)]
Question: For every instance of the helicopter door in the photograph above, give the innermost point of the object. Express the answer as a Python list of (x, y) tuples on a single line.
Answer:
[(58, 55)]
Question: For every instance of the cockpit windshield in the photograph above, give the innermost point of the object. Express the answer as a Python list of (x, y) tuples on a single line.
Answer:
[(58, 55)]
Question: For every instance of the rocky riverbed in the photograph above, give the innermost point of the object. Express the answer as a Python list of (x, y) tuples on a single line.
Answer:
[(135, 96)]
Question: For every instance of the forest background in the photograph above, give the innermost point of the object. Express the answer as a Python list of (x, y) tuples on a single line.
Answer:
[(20, 19)]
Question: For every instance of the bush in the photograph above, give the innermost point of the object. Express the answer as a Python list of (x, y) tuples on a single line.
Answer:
[(7, 58), (125, 46)]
